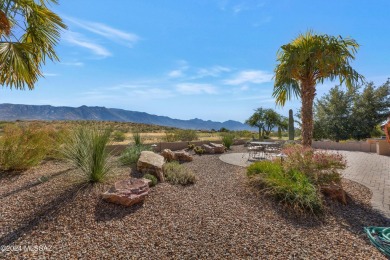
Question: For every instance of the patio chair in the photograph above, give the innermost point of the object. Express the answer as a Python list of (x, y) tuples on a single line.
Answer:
[(256, 152), (273, 149)]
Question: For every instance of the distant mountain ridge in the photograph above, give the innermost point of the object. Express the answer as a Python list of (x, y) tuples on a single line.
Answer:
[(12, 112)]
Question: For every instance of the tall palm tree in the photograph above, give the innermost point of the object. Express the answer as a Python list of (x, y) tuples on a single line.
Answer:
[(29, 32), (308, 60)]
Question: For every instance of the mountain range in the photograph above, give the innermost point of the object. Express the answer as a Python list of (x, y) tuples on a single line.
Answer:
[(12, 112)]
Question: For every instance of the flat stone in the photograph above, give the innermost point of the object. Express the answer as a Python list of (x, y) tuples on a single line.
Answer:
[(218, 148), (183, 156), (152, 163), (208, 149), (168, 155), (127, 192)]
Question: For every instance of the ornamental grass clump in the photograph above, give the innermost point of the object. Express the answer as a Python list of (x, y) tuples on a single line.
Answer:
[(320, 166), (176, 173), (132, 153), (22, 147), (292, 187), (86, 150), (227, 140)]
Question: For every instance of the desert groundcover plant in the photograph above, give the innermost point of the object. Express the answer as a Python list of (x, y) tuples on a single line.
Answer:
[(176, 173), (132, 153), (292, 187), (86, 149), (227, 140)]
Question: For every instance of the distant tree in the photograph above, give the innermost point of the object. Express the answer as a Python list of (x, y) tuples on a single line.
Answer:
[(282, 125), (341, 115), (223, 130), (308, 60), (333, 114), (370, 109), (271, 120), (257, 120), (28, 33)]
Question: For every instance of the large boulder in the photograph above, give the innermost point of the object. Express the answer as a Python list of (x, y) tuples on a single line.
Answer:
[(168, 155), (218, 148), (208, 149), (127, 192), (181, 156), (150, 162)]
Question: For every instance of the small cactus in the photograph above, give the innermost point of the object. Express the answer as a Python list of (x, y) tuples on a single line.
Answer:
[(290, 125)]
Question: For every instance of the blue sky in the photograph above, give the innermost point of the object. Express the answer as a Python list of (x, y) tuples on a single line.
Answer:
[(208, 59)]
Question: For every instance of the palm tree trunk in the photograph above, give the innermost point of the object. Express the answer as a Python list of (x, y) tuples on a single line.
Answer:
[(307, 95)]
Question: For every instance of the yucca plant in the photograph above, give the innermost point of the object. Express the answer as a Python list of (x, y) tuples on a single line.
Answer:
[(86, 149), (137, 138)]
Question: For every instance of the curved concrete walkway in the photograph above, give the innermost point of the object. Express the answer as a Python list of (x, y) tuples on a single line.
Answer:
[(368, 169)]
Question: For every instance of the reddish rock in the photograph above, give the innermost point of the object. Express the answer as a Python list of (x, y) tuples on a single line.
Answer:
[(335, 192), (127, 192), (208, 149)]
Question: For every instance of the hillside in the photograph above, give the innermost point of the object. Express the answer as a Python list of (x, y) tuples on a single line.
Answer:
[(12, 112)]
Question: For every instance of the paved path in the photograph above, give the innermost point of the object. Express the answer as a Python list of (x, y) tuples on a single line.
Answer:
[(368, 169), (373, 171)]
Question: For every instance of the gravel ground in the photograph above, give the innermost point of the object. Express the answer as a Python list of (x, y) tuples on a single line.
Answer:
[(220, 217)]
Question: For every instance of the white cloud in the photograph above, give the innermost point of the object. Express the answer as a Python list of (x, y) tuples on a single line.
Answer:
[(76, 63), (50, 75), (175, 74), (126, 38), (214, 71), (80, 40), (250, 76), (195, 88)]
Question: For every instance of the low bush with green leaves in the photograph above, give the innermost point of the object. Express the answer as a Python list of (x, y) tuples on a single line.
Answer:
[(118, 136), (227, 140), (181, 135), (176, 173), (132, 153), (22, 147), (152, 178), (290, 187), (86, 149), (199, 150)]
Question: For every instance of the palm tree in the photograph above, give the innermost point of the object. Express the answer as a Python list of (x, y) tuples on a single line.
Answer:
[(308, 60), (29, 32)]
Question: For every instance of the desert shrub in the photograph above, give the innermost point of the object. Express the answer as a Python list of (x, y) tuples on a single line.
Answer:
[(118, 136), (191, 146), (199, 150), (176, 173), (291, 187), (137, 139), (132, 153), (22, 147), (152, 178), (86, 149), (227, 140), (320, 166)]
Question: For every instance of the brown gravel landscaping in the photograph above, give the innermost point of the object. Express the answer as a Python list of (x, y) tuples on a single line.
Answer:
[(220, 217)]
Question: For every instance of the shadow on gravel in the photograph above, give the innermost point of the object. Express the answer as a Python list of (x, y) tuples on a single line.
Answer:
[(33, 184), (105, 211), (44, 214), (358, 215)]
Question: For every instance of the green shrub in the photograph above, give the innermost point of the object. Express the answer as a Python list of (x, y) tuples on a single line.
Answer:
[(199, 150), (22, 147), (191, 146), (152, 178), (137, 139), (292, 187), (176, 173), (132, 153), (227, 140), (118, 136), (86, 149)]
